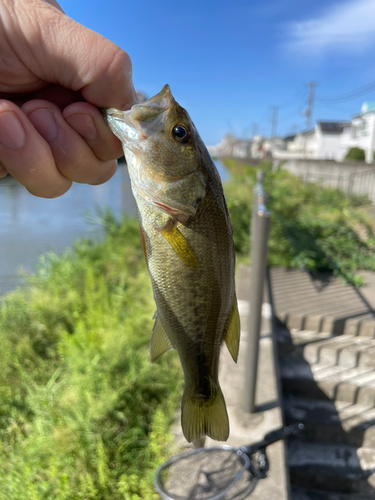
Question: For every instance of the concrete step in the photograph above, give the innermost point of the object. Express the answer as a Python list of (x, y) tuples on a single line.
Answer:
[(363, 325), (352, 322), (303, 494), (335, 383), (329, 350), (340, 422), (331, 467), (321, 303), (297, 337)]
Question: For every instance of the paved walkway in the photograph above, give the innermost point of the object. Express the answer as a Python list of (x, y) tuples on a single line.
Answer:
[(246, 429)]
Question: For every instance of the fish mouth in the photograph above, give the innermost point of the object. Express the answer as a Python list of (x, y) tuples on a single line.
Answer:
[(142, 120)]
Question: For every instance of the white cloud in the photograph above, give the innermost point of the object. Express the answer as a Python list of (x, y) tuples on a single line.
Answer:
[(348, 27)]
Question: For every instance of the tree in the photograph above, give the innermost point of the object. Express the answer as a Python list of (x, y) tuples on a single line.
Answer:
[(355, 154)]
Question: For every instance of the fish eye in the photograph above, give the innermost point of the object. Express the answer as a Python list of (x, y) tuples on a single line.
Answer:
[(181, 133)]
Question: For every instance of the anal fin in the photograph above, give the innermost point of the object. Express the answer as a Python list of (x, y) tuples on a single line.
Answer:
[(160, 342), (232, 336)]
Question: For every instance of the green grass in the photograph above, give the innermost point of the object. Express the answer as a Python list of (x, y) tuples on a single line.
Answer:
[(312, 226), (83, 413)]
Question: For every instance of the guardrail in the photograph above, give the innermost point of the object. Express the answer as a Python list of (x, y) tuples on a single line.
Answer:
[(260, 223)]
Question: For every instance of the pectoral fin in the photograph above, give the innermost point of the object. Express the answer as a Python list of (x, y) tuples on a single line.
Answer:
[(160, 342), (180, 245), (232, 337)]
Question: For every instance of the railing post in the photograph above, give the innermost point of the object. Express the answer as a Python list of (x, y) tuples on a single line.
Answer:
[(350, 184), (260, 222)]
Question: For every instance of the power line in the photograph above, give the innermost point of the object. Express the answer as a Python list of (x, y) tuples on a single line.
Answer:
[(294, 112), (293, 100), (366, 89), (332, 108)]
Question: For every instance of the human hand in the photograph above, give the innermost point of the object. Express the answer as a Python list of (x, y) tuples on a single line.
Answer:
[(54, 74)]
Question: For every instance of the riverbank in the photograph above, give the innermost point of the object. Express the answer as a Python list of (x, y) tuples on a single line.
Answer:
[(31, 226), (83, 413), (314, 227)]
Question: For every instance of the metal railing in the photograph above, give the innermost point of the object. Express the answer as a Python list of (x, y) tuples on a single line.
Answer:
[(360, 183), (260, 223)]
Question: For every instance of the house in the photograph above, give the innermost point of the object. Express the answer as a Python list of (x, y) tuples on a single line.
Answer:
[(329, 140), (272, 144), (325, 142), (360, 132), (231, 146), (332, 140), (321, 143)]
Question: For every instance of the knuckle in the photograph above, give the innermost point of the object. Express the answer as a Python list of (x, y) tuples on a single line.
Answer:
[(108, 171), (120, 62)]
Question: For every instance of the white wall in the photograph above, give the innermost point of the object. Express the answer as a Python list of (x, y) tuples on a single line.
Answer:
[(361, 135)]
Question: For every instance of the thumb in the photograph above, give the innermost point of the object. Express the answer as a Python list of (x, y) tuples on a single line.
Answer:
[(59, 50)]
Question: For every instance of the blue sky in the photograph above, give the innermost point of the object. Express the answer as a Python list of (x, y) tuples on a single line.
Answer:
[(228, 62)]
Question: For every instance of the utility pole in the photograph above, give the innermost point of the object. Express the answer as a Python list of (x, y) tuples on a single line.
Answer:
[(308, 112), (274, 121), (310, 104)]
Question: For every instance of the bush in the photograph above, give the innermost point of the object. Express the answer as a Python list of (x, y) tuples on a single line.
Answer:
[(83, 413), (355, 154), (313, 226)]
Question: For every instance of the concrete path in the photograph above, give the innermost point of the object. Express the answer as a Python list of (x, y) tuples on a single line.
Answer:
[(246, 429)]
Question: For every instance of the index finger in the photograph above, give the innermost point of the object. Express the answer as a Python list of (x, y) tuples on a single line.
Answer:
[(69, 54)]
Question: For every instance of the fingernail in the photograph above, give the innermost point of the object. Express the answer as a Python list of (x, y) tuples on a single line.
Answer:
[(12, 135), (84, 125), (44, 122)]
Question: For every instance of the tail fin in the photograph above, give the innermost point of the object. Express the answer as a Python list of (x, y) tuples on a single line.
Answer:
[(205, 418)]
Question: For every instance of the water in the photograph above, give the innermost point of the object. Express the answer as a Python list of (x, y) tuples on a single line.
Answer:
[(31, 226)]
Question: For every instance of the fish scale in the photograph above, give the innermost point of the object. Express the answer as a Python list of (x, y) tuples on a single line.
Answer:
[(187, 240)]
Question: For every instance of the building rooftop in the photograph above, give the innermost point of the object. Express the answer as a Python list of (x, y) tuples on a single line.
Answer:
[(331, 127), (289, 138)]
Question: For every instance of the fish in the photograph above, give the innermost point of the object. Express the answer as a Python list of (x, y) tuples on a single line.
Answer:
[(187, 239)]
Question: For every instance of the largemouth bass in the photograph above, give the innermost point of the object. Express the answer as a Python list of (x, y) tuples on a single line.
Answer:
[(186, 235)]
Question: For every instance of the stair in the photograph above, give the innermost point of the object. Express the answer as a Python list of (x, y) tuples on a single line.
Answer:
[(303, 494), (326, 347), (335, 468), (320, 303)]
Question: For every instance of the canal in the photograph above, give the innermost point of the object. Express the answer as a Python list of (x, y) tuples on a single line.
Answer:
[(32, 226)]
